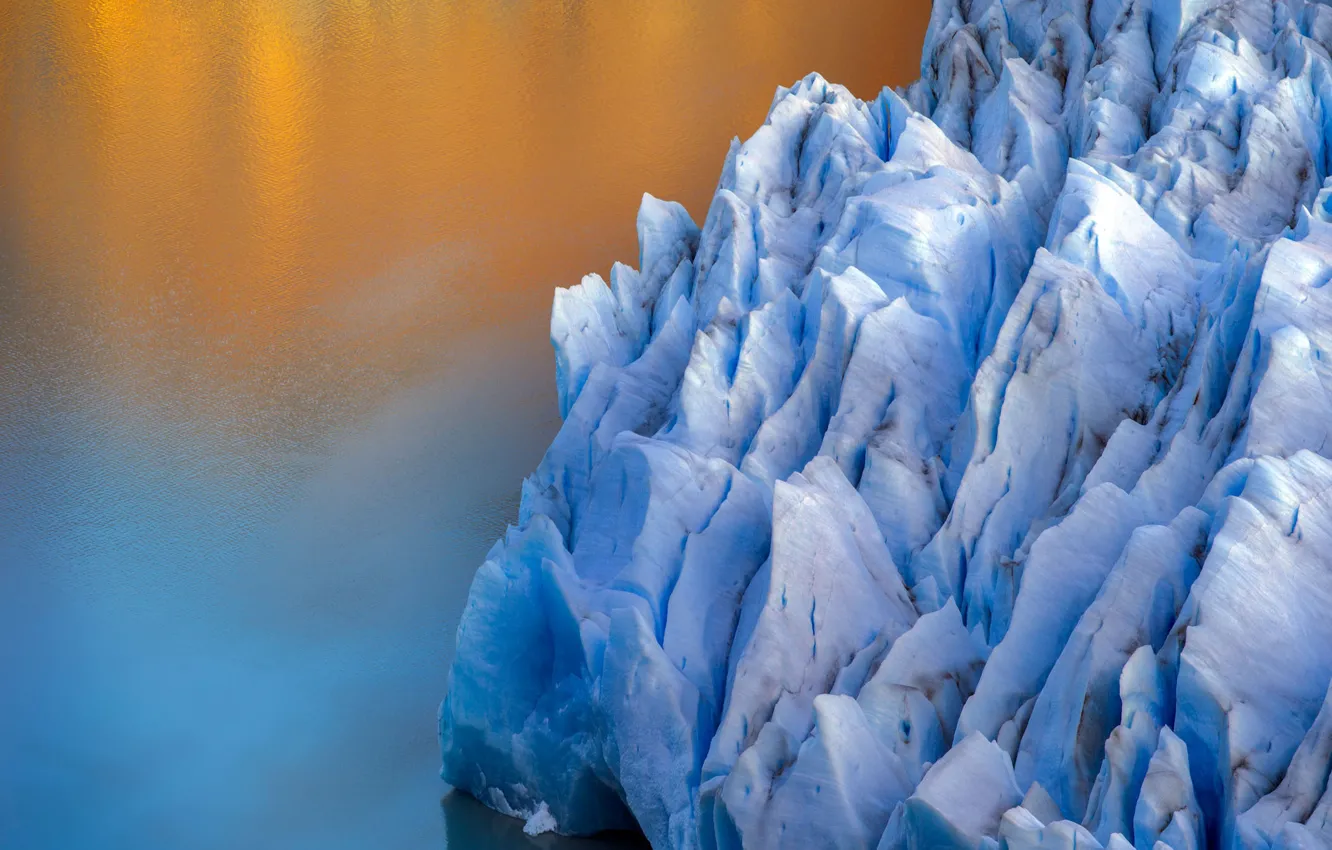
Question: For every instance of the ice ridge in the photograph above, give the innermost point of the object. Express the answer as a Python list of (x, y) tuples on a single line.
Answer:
[(964, 481)]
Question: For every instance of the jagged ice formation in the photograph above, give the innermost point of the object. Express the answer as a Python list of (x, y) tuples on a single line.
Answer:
[(964, 481)]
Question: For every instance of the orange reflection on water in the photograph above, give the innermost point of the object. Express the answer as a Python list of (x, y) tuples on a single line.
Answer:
[(275, 278), (255, 198)]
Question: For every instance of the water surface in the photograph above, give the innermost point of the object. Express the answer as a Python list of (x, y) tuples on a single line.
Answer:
[(274, 287)]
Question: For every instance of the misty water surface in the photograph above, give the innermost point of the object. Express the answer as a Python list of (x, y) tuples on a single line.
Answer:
[(274, 286)]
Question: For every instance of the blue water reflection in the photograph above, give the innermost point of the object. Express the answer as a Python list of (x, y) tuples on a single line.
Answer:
[(168, 688)]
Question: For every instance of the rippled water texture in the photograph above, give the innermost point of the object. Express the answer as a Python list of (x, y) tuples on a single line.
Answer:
[(274, 286)]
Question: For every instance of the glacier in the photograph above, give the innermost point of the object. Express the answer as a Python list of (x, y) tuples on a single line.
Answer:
[(963, 482)]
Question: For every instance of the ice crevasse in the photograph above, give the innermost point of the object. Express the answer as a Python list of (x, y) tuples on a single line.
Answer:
[(964, 481)]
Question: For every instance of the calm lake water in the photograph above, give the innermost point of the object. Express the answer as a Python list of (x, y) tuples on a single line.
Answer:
[(274, 286)]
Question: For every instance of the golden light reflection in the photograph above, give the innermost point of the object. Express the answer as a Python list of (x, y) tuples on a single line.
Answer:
[(272, 209), (276, 99)]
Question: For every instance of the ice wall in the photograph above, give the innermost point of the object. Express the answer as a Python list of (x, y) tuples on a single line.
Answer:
[(964, 481)]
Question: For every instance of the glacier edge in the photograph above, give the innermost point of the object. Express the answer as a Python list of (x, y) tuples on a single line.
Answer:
[(963, 481)]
